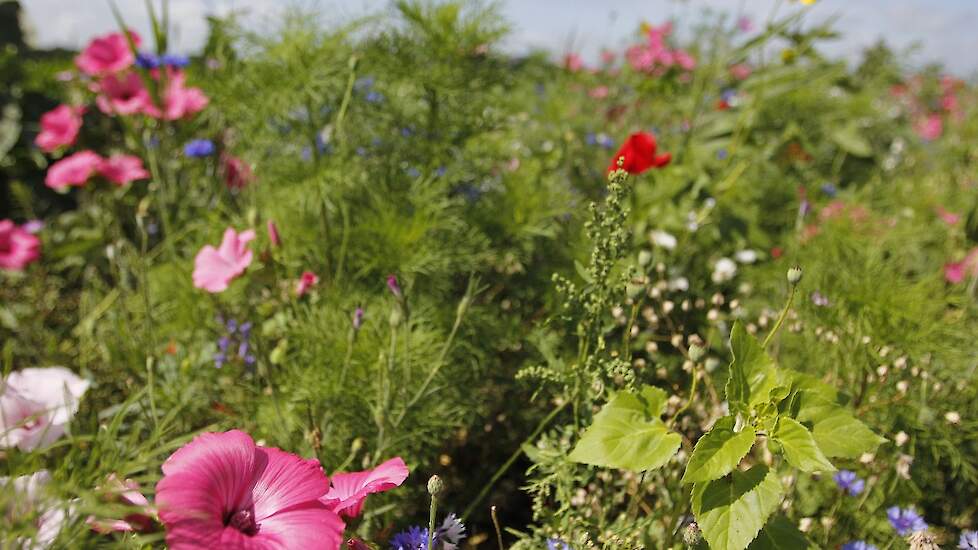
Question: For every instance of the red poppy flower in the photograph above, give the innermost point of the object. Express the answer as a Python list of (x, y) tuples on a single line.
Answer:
[(639, 152)]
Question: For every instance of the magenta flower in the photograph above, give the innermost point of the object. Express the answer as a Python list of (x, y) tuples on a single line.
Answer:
[(59, 127), (123, 169), (36, 406), (273, 235), (223, 491), (215, 268), (955, 272), (107, 54), (929, 127), (349, 490), (18, 247), (122, 95), (72, 170), (684, 59), (178, 100), (947, 216), (237, 173), (305, 282)]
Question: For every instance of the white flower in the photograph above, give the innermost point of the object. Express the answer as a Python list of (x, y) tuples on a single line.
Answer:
[(746, 256), (31, 500), (724, 270), (663, 239), (954, 417), (451, 532), (901, 438), (36, 405), (679, 283)]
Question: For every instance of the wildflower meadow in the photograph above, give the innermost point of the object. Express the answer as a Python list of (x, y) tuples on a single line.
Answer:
[(381, 283)]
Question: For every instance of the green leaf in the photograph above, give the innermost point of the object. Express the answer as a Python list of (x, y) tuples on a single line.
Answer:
[(799, 446), (718, 452), (752, 371), (851, 141), (839, 434), (628, 433), (780, 534), (732, 510)]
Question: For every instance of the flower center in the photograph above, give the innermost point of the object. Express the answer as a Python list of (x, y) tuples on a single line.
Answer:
[(244, 521)]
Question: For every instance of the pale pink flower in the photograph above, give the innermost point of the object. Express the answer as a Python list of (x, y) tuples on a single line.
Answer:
[(349, 490), (745, 24), (122, 94), (179, 101), (223, 491), (215, 268), (36, 405), (684, 59), (598, 92), (72, 170), (740, 71), (128, 494), (947, 216), (59, 127), (122, 169), (955, 272), (573, 62), (929, 127), (18, 246), (608, 57), (273, 235), (640, 57), (29, 498), (305, 282), (107, 54)]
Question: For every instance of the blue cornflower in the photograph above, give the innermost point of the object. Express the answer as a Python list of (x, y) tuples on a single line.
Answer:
[(199, 148), (721, 154), (848, 481), (236, 337), (858, 545), (415, 538), (407, 131), (374, 96), (440, 171), (557, 544), (968, 541), (147, 61), (175, 60), (905, 520), (829, 189)]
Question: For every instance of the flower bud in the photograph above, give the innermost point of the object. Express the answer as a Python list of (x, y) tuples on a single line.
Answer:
[(696, 352), (692, 534), (435, 486), (794, 275), (644, 258), (273, 235)]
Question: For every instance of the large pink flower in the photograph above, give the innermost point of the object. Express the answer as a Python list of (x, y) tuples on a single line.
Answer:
[(59, 127), (107, 54), (72, 170), (123, 169), (122, 95), (18, 247), (179, 101), (36, 406), (955, 272), (223, 491), (214, 268), (349, 490)]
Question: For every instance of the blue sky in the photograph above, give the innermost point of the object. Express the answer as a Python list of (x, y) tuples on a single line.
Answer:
[(945, 30)]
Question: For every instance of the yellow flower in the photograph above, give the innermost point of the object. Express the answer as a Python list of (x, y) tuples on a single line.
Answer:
[(808, 2)]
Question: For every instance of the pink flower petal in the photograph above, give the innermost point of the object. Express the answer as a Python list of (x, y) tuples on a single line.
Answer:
[(349, 490), (73, 170), (215, 268), (285, 480)]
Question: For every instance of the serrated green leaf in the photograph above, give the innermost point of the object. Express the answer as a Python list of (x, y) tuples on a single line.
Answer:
[(799, 447), (752, 371), (719, 451), (839, 434), (780, 534), (628, 433), (732, 510)]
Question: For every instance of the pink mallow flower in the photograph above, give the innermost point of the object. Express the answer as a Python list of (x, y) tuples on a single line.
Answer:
[(684, 59), (122, 169), (305, 282), (929, 127), (59, 127), (18, 246), (222, 490), (127, 494), (215, 268), (37, 404), (28, 498), (73, 170), (740, 71), (349, 490), (179, 101), (573, 62), (107, 54), (122, 95), (598, 92), (955, 272), (948, 217)]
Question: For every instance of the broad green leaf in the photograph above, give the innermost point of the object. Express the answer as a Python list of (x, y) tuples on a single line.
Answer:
[(780, 534), (628, 433), (851, 141), (799, 446), (718, 452), (809, 406), (732, 510), (752, 371), (839, 434)]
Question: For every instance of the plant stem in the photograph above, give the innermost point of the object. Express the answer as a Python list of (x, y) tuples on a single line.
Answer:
[(431, 520), (689, 400), (781, 318), (495, 523)]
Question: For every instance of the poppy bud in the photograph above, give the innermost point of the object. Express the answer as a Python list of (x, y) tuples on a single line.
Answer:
[(435, 486), (794, 275)]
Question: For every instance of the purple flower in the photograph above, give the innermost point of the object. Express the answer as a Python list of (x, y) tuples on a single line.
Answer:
[(199, 148), (745, 24), (557, 544), (175, 60), (858, 545), (849, 482), (33, 226), (804, 208), (905, 521), (414, 538), (394, 287), (968, 541), (358, 318), (829, 189), (147, 61)]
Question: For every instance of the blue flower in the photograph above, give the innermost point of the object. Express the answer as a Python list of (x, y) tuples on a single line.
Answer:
[(969, 540), (147, 61), (721, 154), (848, 481), (175, 60), (363, 84), (415, 538), (374, 97), (199, 148), (557, 544), (413, 172), (905, 521), (858, 545), (829, 189)]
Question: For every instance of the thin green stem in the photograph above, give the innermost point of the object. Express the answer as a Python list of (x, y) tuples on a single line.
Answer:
[(689, 400), (782, 317), (431, 520)]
